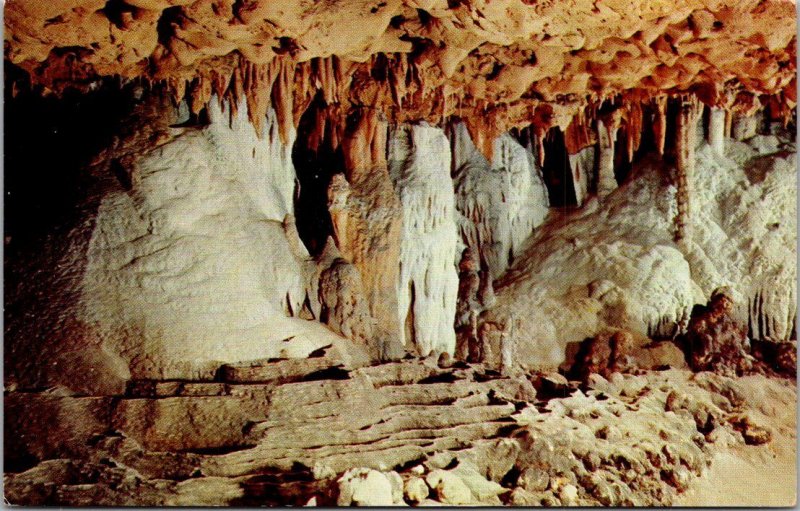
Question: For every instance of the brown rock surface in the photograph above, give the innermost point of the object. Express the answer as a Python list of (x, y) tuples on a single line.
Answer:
[(715, 340)]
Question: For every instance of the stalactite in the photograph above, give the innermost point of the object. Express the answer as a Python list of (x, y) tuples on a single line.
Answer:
[(256, 84), (660, 122), (689, 111), (539, 137), (325, 79), (482, 133), (235, 91), (199, 94), (283, 99), (305, 90), (177, 88), (317, 136), (633, 128), (364, 146), (578, 134)]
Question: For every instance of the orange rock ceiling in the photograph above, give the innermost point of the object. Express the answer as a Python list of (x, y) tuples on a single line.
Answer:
[(496, 63)]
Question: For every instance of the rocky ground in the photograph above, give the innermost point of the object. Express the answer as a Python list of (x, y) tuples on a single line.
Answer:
[(413, 432)]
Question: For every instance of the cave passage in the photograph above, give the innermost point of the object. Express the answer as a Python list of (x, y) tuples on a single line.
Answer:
[(557, 170), (314, 169)]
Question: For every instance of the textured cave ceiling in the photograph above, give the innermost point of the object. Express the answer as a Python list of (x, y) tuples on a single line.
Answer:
[(497, 64)]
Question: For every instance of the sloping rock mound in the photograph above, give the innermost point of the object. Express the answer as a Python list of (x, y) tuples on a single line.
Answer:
[(614, 264)]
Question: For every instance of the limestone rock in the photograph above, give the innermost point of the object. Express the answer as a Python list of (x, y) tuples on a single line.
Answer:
[(344, 307), (397, 486), (534, 479), (753, 433), (483, 490), (715, 341), (449, 487), (416, 490), (568, 495), (364, 487)]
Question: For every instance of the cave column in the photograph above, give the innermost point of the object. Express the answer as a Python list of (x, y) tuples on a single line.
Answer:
[(606, 137), (367, 223), (716, 130), (688, 114)]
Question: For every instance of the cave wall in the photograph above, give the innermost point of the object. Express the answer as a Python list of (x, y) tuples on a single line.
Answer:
[(183, 250)]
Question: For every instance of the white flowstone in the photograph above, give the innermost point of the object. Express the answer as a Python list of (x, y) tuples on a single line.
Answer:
[(419, 165), (501, 203), (614, 265), (744, 126), (606, 137), (196, 262)]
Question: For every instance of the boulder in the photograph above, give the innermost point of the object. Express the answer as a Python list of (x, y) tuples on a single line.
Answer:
[(364, 487)]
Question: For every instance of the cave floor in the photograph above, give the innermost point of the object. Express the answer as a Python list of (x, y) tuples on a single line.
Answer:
[(283, 432)]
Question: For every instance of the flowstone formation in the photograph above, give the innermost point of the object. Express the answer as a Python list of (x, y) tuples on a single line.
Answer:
[(421, 252)]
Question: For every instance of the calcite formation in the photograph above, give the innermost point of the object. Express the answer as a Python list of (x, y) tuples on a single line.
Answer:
[(388, 252)]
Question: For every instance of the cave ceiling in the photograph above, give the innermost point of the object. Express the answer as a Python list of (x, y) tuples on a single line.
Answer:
[(497, 64)]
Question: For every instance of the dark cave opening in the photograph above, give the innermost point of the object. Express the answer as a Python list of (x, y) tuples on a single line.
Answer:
[(46, 153), (673, 107), (557, 170), (314, 169)]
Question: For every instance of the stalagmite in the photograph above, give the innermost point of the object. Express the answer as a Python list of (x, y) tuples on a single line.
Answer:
[(689, 112), (367, 219), (468, 307), (716, 130), (607, 128), (344, 308), (633, 129), (581, 167), (728, 123)]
